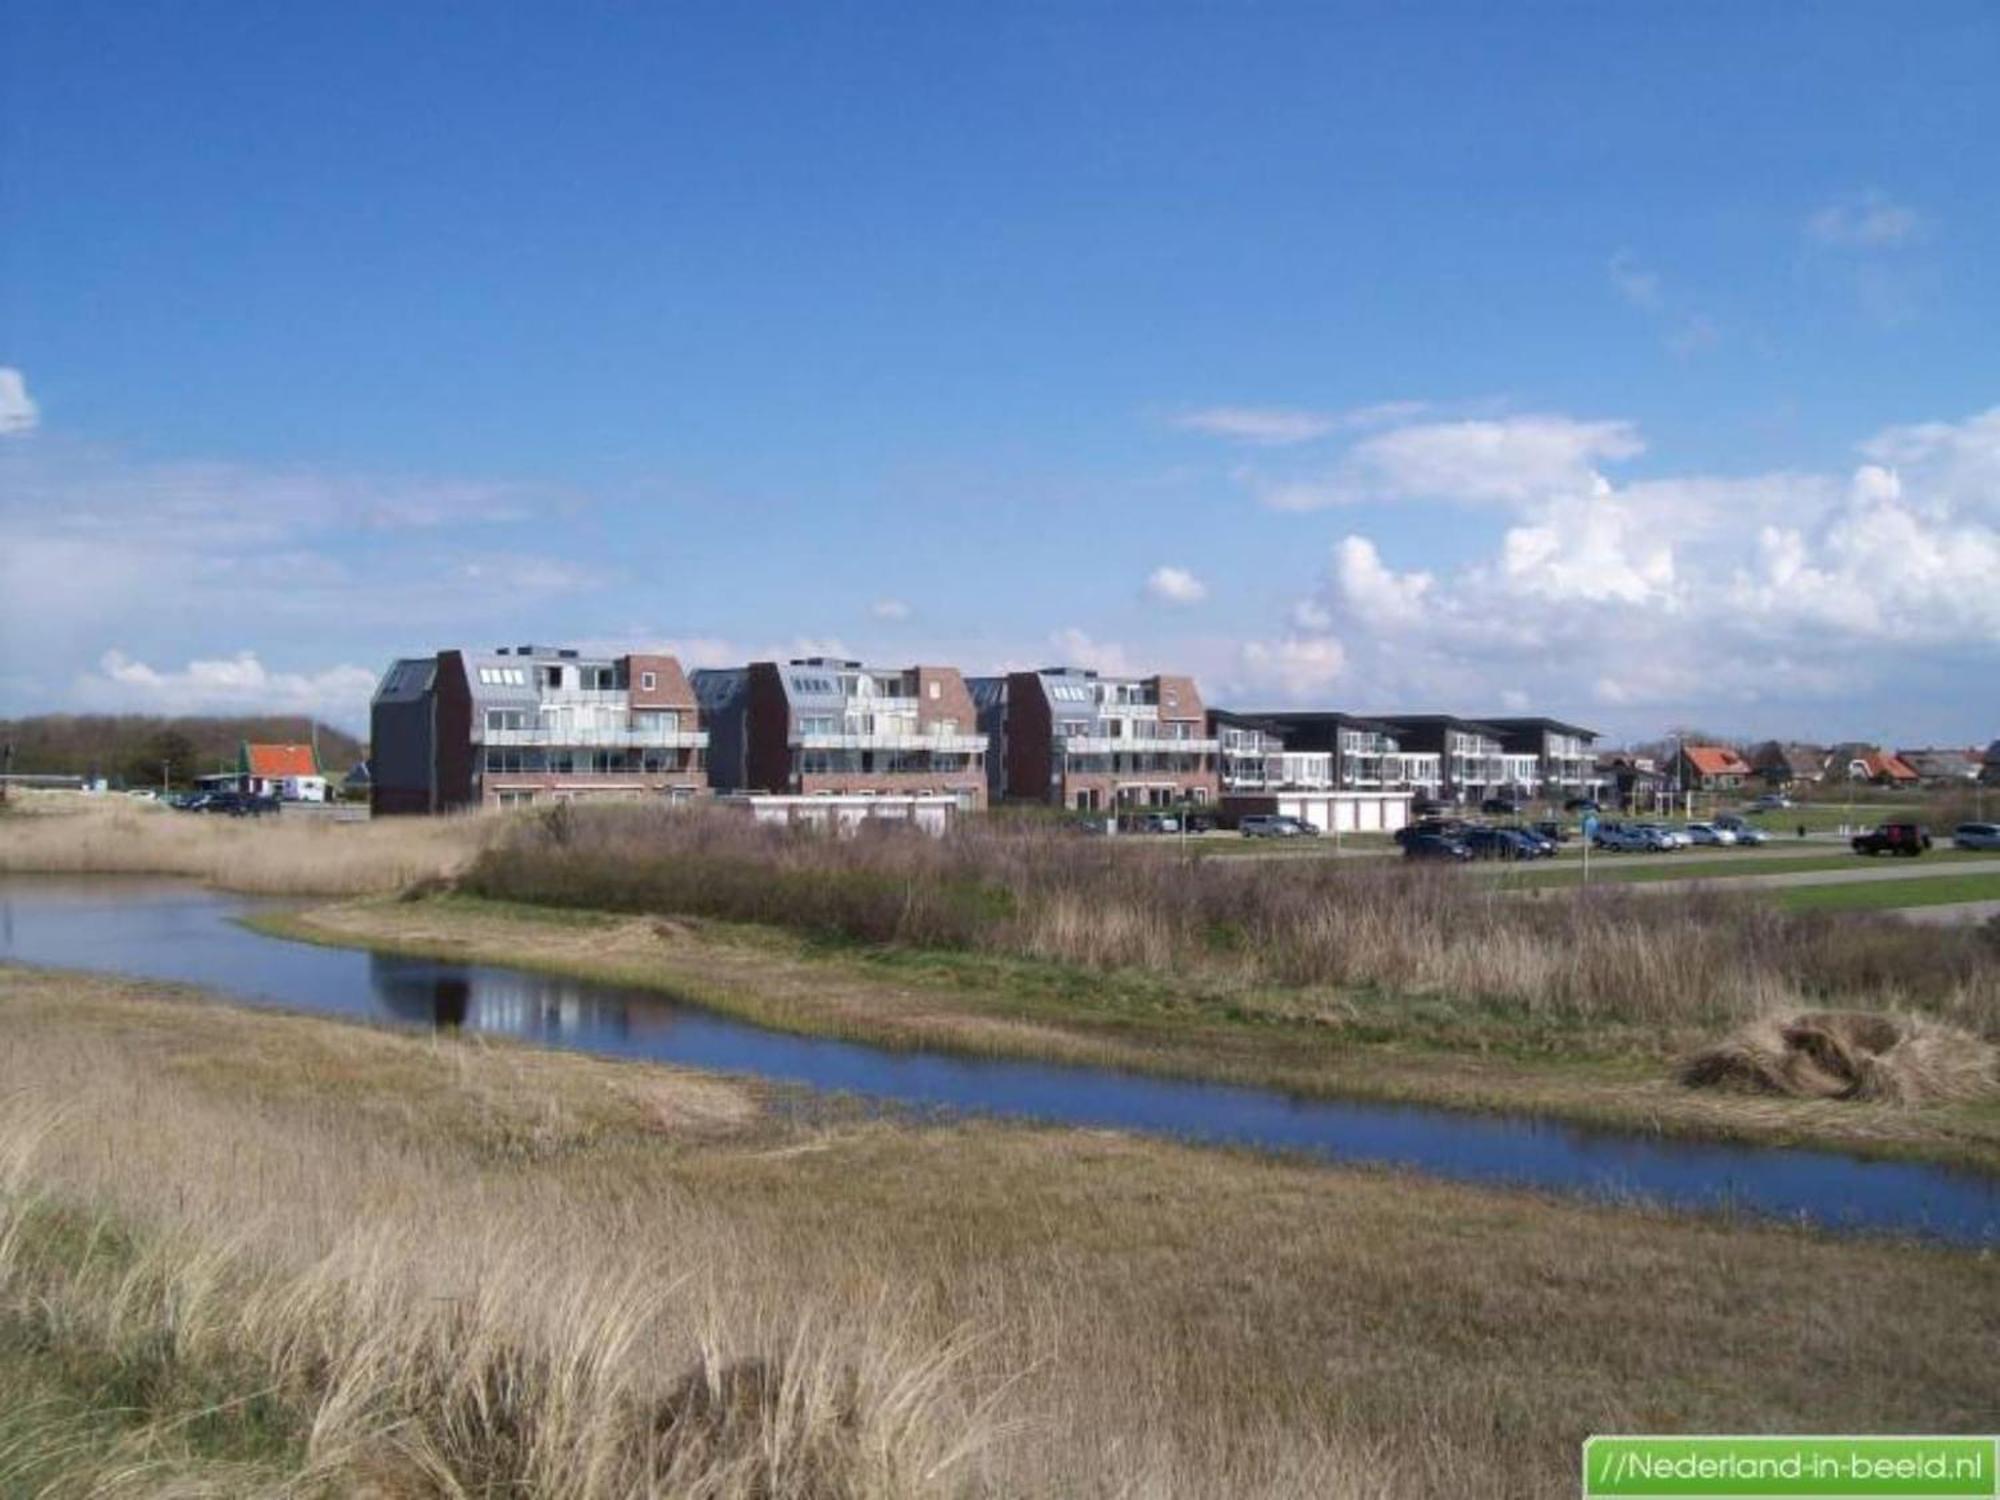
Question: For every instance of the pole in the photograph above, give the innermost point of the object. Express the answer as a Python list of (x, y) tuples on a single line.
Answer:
[(165, 780)]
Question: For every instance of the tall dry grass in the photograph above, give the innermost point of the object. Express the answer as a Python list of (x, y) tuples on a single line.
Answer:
[(253, 1254), (1641, 959), (301, 854), (521, 1301)]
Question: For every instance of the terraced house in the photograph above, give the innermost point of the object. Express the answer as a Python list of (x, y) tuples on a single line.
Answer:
[(1465, 760), (1068, 736), (468, 729), (1548, 758), (1331, 770), (823, 726)]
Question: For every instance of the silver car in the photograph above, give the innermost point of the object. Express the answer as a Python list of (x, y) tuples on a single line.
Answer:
[(1976, 836), (1710, 833)]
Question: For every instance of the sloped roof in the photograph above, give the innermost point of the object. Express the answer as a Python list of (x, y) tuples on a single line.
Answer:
[(279, 760), (1881, 763), (1715, 760)]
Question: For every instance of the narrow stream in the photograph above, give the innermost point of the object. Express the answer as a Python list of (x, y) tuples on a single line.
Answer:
[(176, 931)]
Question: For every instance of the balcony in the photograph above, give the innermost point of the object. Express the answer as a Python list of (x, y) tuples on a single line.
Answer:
[(1104, 744), (943, 744), (599, 739)]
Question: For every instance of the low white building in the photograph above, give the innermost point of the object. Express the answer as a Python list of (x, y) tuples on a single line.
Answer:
[(845, 812)]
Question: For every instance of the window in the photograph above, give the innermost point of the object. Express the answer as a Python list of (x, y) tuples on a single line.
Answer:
[(647, 682), (936, 690)]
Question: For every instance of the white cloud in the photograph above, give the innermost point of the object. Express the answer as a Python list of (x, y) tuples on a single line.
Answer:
[(1280, 427), (1295, 668), (179, 555), (1272, 426), (1503, 461), (1170, 585), (889, 609), (1867, 220), (1679, 592), (1077, 649), (234, 684), (18, 412)]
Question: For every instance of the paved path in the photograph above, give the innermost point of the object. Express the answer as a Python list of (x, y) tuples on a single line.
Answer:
[(1865, 871), (1957, 914)]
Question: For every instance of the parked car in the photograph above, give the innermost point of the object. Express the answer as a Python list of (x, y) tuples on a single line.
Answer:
[(1711, 833), (1581, 805), (1435, 846), (1275, 826), (1976, 835), (1425, 807), (1451, 828), (238, 804), (1665, 838), (1501, 807), (1502, 843), (1772, 802), (1746, 832), (1160, 823), (1553, 831), (1909, 839), (1618, 838)]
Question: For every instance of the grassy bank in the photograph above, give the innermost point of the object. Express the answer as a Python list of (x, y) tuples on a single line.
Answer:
[(1611, 869), (247, 1253), (1322, 931), (279, 856), (1363, 1044), (1888, 895)]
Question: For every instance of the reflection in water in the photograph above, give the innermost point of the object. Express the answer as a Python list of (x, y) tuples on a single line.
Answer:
[(166, 930), (537, 1007)]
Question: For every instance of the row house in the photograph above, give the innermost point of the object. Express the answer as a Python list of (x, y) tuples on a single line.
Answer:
[(1364, 755), (1253, 757), (1548, 758), (1471, 761), (1076, 739), (820, 726), (1334, 771), (463, 729)]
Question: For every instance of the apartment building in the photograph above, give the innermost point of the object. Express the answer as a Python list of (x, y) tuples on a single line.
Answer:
[(464, 729), (1457, 760), (819, 726), (1074, 738), (1548, 758), (1334, 771)]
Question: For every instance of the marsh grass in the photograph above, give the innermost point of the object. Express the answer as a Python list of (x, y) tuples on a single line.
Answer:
[(1699, 959), (246, 1253), (301, 855)]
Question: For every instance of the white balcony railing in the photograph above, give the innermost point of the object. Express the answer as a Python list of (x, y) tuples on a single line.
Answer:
[(600, 739), (1100, 744), (943, 744)]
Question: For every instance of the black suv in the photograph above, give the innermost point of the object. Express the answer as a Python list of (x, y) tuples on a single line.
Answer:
[(1911, 839)]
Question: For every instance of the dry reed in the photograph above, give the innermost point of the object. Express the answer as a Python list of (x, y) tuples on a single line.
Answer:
[(1849, 1055), (291, 854), (255, 1254), (1574, 959)]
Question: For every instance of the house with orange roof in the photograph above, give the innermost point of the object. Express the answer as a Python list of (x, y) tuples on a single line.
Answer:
[(1875, 766), (1711, 768), (290, 773)]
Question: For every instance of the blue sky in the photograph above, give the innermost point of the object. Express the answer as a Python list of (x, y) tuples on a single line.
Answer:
[(1631, 364)]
